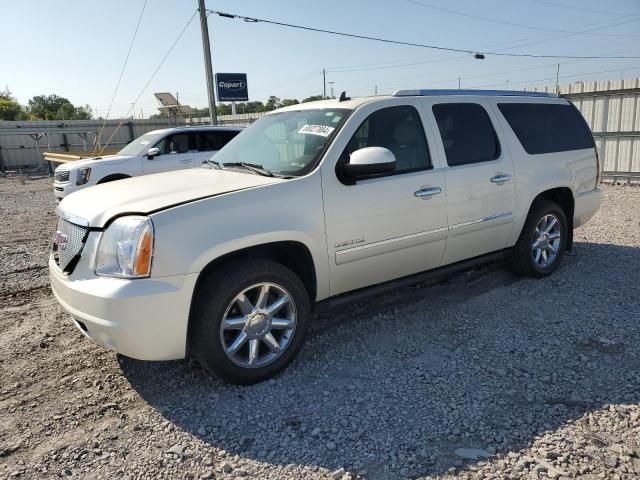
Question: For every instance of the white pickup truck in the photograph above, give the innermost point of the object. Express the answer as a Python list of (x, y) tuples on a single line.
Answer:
[(153, 152), (321, 202)]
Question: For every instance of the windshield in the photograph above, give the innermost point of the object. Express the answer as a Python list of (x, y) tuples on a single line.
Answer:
[(287, 143), (141, 144)]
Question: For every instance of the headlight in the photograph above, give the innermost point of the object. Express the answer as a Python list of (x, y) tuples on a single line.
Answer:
[(83, 176), (126, 248)]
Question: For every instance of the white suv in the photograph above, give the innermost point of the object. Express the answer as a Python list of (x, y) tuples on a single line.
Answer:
[(317, 203), (153, 152)]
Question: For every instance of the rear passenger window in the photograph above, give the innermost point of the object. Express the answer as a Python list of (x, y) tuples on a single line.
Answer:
[(210, 141), (398, 129), (547, 128), (467, 133)]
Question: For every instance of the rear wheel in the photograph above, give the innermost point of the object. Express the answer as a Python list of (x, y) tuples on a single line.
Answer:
[(250, 320), (542, 242)]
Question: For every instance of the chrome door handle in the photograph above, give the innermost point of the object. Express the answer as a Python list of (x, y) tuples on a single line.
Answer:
[(426, 193), (501, 178)]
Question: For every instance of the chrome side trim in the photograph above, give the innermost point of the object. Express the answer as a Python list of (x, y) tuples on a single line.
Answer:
[(72, 218), (481, 220), (392, 244)]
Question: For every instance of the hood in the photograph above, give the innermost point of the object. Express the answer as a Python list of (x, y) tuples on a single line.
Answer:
[(94, 161), (146, 194)]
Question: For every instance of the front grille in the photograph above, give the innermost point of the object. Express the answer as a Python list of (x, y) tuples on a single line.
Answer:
[(68, 242), (61, 176)]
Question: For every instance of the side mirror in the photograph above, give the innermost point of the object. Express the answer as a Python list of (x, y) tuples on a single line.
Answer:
[(369, 161), (153, 152)]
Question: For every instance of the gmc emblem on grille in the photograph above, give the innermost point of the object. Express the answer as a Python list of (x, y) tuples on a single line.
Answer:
[(60, 240)]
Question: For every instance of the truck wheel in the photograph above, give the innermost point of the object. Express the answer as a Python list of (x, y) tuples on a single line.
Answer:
[(542, 241), (249, 321)]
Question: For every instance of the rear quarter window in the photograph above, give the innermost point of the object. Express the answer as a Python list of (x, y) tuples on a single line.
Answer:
[(547, 128)]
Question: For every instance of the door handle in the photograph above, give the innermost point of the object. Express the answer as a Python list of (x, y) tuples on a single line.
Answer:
[(426, 193), (501, 178)]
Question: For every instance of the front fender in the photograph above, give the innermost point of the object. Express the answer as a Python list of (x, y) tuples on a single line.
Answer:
[(190, 236)]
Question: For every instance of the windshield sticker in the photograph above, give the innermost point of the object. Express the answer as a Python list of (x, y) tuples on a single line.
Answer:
[(322, 130)]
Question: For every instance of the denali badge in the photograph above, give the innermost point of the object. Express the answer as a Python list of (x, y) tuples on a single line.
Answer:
[(60, 240), (349, 242)]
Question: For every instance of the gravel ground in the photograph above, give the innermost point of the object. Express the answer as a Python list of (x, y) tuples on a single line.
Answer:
[(486, 376)]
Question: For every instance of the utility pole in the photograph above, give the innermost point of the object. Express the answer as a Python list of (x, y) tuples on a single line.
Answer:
[(375, 90), (324, 84), (331, 88), (459, 80), (206, 49), (558, 80)]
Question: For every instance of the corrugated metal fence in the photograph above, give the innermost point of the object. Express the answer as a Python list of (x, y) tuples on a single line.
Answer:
[(612, 109), (22, 143)]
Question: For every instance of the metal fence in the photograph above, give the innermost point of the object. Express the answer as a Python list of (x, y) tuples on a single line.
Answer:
[(612, 110), (611, 107), (23, 143)]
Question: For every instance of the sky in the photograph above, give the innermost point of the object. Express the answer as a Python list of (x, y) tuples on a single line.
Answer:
[(76, 48)]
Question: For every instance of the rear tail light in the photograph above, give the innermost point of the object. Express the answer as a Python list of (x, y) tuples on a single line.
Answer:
[(598, 171)]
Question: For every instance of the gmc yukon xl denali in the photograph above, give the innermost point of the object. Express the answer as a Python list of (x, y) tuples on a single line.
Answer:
[(321, 202)]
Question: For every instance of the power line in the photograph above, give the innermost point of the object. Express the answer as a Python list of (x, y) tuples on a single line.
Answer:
[(475, 53), (551, 79), (175, 42), (544, 39), (590, 10), (512, 24), (126, 60)]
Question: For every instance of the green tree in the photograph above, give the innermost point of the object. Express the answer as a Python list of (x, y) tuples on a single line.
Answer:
[(10, 109), (55, 107), (287, 102), (223, 109), (312, 98), (273, 102)]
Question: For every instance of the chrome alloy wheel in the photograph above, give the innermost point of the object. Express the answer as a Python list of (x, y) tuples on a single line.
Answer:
[(546, 241), (258, 325)]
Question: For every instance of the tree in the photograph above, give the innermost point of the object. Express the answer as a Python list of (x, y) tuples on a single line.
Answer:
[(273, 102), (312, 98), (289, 101), (10, 109), (223, 109), (54, 107)]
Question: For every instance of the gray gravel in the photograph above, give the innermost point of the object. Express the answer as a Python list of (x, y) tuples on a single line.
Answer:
[(486, 376)]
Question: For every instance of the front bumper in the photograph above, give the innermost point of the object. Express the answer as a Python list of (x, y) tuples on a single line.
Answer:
[(586, 206), (61, 190), (144, 319)]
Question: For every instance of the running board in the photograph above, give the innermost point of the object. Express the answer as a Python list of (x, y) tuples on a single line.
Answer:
[(437, 275)]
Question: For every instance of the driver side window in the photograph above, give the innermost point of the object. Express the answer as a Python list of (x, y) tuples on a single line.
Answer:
[(176, 143), (398, 129)]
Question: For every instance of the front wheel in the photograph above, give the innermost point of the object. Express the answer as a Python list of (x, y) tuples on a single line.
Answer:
[(542, 242), (249, 321)]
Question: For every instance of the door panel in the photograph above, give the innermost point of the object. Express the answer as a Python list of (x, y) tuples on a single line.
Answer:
[(379, 229), (176, 152), (480, 195)]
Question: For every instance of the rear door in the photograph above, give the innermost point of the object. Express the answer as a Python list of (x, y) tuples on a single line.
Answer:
[(478, 175), (177, 151)]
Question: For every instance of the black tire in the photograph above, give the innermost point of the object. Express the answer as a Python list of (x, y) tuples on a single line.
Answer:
[(522, 260), (215, 294)]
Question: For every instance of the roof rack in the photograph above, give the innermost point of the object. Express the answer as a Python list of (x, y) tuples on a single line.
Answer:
[(484, 93)]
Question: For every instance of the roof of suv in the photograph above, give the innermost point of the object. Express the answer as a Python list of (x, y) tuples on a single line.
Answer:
[(356, 102), (190, 128)]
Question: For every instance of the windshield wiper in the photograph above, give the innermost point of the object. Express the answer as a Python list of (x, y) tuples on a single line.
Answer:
[(217, 164), (259, 169)]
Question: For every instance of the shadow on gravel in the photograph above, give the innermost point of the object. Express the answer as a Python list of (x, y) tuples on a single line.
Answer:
[(485, 360)]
